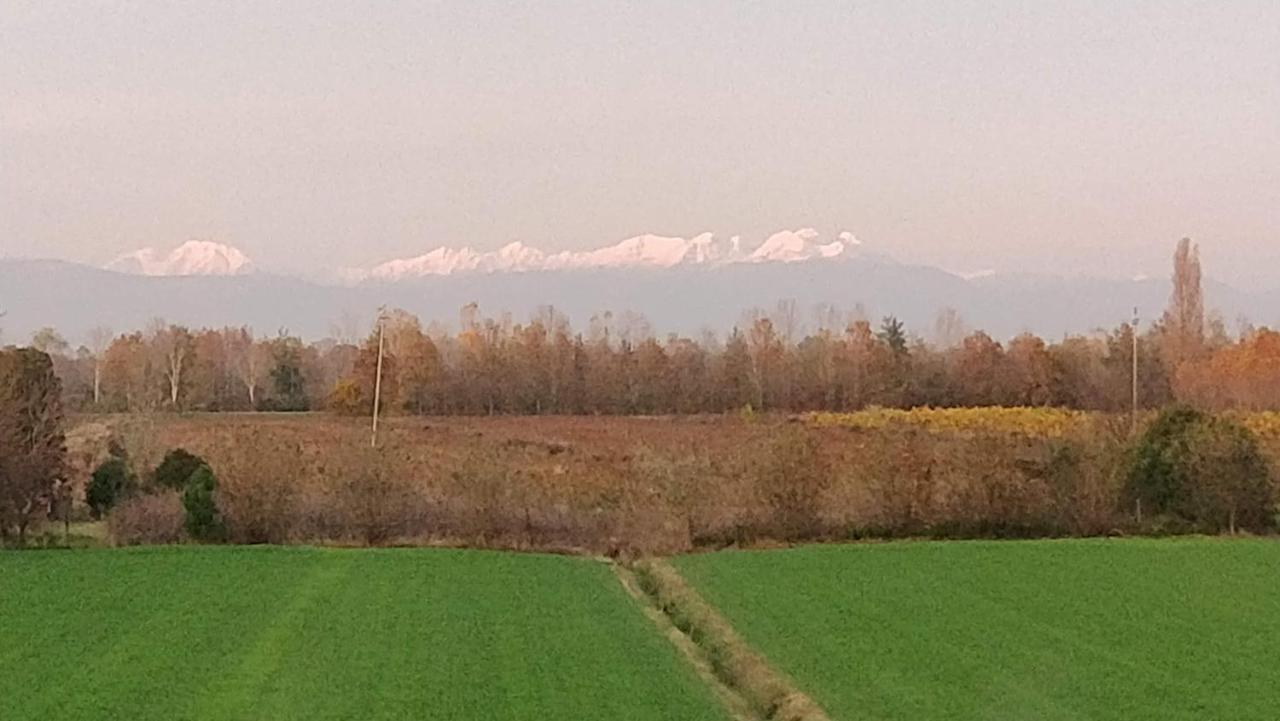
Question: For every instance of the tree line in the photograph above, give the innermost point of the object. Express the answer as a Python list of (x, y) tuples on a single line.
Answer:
[(618, 365)]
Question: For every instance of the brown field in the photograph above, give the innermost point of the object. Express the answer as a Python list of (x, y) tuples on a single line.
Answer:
[(614, 484)]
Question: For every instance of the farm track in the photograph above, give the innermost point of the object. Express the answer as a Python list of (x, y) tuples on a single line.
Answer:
[(741, 677)]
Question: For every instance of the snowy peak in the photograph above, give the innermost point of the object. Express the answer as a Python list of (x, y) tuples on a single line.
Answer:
[(791, 246), (642, 251), (194, 257)]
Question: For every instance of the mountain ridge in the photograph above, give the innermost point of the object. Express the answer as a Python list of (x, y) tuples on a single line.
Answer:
[(684, 299), (206, 258)]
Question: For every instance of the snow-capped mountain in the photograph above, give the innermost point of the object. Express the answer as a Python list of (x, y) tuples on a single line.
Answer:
[(194, 257), (791, 246), (643, 251)]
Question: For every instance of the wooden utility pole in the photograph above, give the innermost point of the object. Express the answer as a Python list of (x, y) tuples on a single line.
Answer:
[(1133, 418), (377, 381)]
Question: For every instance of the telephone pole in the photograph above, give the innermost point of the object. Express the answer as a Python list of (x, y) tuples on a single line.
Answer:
[(377, 381), (1133, 418)]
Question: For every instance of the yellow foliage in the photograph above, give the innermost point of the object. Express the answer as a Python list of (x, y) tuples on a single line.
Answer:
[(1033, 422), (1265, 425)]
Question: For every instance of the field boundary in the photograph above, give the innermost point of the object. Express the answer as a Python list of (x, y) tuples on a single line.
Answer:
[(740, 675), (739, 708)]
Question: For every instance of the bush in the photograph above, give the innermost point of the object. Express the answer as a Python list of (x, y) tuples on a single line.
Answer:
[(258, 487), (176, 469), (148, 519), (790, 480), (202, 520), (1203, 471), (1230, 480), (374, 501), (111, 481), (346, 400)]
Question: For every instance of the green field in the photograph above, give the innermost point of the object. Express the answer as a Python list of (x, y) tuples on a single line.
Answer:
[(1094, 629), (291, 633)]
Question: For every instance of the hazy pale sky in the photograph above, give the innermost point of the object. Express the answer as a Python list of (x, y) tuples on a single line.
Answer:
[(1065, 137)]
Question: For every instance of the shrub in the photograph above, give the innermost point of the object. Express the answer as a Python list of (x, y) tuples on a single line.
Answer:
[(1084, 473), (1230, 480), (176, 469), (900, 474), (110, 482), (202, 520), (345, 399), (258, 487), (147, 519), (790, 480), (1201, 470), (374, 501), (1158, 467), (681, 487)]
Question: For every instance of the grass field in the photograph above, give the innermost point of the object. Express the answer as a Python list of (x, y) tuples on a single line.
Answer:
[(295, 633), (1095, 629)]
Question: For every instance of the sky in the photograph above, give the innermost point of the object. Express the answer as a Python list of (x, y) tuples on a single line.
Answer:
[(1070, 137)]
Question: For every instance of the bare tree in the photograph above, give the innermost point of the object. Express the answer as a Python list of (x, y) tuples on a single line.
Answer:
[(346, 329), (949, 329), (1183, 322), (172, 344), (634, 328), (827, 319), (786, 321), (248, 359), (99, 340)]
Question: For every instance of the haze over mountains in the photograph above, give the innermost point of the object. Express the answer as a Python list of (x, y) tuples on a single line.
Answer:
[(683, 285)]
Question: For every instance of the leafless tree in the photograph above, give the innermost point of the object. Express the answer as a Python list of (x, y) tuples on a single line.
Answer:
[(172, 344), (1183, 323), (786, 320), (949, 329), (248, 359), (99, 340)]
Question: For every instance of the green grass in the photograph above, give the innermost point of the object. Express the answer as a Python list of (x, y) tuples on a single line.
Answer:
[(292, 633), (1094, 629)]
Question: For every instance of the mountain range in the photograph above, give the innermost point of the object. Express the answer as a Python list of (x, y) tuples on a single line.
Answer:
[(682, 285), (198, 257)]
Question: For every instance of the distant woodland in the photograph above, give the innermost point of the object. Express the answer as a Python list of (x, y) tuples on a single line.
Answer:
[(782, 359)]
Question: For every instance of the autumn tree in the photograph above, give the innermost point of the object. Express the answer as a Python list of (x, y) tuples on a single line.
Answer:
[(1243, 376), (863, 365), (1032, 377), (734, 379), (32, 445), (980, 372), (768, 364), (129, 376)]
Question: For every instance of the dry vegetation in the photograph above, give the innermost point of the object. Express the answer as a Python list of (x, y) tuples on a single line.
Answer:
[(770, 694), (625, 485)]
